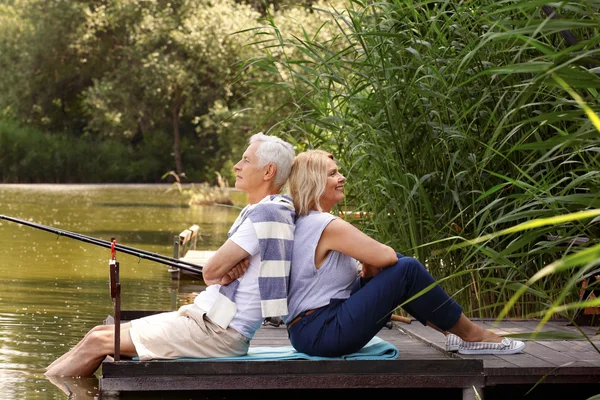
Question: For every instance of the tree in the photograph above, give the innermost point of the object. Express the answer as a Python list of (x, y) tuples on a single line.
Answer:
[(41, 76), (171, 63)]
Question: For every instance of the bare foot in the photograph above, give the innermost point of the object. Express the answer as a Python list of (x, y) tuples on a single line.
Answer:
[(59, 359), (469, 331), (490, 336)]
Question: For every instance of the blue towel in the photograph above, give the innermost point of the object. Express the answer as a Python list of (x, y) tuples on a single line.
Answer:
[(376, 349)]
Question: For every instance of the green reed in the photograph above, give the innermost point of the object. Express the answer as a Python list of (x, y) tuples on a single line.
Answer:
[(453, 121)]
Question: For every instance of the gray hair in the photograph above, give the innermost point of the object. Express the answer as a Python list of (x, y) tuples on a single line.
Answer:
[(276, 151)]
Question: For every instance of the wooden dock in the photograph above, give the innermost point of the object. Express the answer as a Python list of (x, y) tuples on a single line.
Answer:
[(184, 249), (558, 358)]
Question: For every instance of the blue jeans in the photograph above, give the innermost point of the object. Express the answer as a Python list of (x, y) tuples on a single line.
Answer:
[(346, 325)]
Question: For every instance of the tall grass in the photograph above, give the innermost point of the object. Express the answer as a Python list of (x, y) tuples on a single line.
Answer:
[(454, 120)]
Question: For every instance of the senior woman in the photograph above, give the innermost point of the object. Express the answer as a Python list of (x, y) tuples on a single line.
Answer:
[(332, 310)]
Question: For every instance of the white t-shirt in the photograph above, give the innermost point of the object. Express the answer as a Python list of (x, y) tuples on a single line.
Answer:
[(248, 316)]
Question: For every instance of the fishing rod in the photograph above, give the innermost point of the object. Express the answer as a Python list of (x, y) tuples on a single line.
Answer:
[(159, 258)]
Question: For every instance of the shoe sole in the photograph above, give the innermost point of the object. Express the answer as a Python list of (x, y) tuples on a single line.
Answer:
[(452, 349)]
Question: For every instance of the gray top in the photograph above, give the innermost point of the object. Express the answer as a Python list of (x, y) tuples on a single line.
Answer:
[(310, 287)]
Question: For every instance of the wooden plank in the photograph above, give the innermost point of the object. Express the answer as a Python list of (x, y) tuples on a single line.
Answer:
[(572, 349), (564, 326), (199, 257), (517, 376), (194, 229), (422, 363), (502, 328), (188, 234), (290, 374), (449, 367), (287, 381), (184, 237), (563, 345), (578, 346), (425, 334), (550, 355), (490, 361)]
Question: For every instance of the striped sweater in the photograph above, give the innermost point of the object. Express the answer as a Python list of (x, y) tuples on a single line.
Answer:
[(273, 219)]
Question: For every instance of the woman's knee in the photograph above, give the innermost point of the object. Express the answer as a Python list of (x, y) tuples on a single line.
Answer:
[(409, 266)]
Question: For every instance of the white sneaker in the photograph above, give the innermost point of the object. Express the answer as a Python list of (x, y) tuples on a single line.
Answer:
[(506, 346), (452, 342)]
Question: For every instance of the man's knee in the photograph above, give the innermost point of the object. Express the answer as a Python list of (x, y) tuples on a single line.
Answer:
[(109, 328), (98, 339), (100, 328)]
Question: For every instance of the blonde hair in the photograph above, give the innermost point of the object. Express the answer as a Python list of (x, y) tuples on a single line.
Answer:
[(308, 179)]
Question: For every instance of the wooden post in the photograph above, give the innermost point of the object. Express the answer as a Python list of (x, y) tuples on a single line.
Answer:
[(115, 294)]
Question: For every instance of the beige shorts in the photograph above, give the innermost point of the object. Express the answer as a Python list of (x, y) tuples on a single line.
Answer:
[(186, 332)]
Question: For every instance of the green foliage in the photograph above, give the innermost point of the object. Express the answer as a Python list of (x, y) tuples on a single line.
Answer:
[(453, 121), (134, 71), (170, 65), (28, 155), (227, 173), (151, 158), (41, 77)]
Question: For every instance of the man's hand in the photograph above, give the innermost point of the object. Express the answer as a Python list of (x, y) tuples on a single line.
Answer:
[(222, 262), (234, 273)]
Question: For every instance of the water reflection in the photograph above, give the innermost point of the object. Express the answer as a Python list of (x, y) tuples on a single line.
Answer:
[(54, 289), (77, 388), (128, 238), (145, 205)]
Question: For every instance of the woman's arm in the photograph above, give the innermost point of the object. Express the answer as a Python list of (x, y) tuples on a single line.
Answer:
[(342, 236)]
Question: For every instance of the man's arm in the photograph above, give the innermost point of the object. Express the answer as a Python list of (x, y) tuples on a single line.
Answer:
[(234, 273), (227, 257)]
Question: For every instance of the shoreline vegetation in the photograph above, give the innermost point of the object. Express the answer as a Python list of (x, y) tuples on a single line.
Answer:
[(203, 194)]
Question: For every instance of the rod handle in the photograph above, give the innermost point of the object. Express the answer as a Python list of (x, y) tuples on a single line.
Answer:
[(401, 319)]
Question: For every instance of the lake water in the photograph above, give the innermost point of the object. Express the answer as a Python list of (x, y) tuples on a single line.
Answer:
[(53, 289)]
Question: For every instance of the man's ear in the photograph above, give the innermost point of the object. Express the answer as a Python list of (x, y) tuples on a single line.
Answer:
[(270, 172)]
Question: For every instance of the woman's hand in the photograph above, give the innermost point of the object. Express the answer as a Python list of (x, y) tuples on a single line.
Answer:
[(369, 271)]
